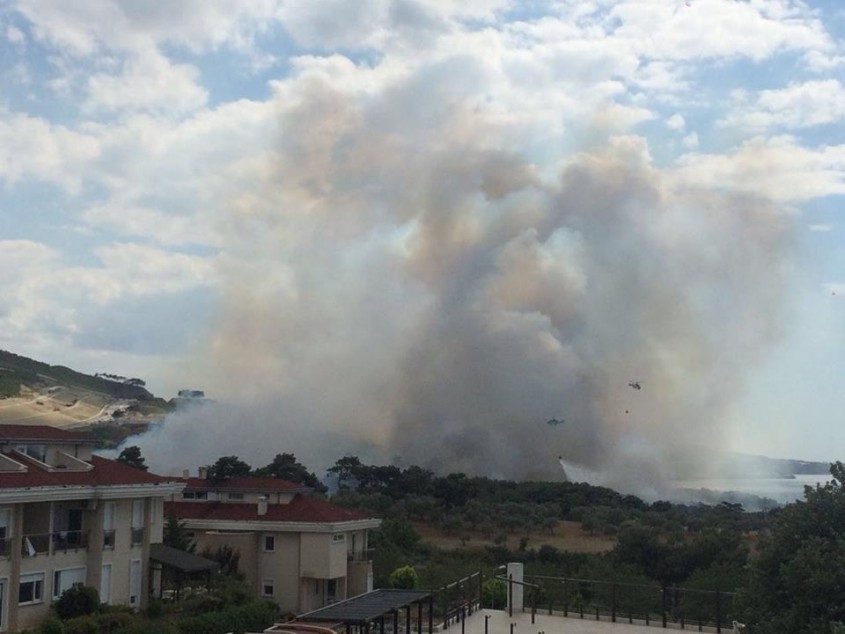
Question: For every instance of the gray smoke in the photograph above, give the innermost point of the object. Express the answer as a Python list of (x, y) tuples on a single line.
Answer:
[(402, 283)]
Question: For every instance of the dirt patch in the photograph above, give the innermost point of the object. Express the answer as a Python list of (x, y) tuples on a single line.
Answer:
[(567, 536)]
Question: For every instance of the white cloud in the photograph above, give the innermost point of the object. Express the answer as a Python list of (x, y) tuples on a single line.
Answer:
[(33, 148), (15, 35), (676, 122), (148, 81), (690, 141), (777, 168), (821, 228), (799, 105)]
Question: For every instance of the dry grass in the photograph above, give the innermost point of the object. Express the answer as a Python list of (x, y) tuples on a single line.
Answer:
[(567, 536), (57, 407)]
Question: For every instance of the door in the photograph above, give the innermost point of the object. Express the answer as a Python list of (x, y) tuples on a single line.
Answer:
[(3, 605), (135, 582), (105, 583), (74, 527)]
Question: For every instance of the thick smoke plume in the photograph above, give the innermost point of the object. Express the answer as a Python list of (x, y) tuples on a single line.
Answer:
[(405, 281)]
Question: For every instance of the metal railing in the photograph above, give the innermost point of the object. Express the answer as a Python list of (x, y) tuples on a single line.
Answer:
[(108, 539), (34, 544), (455, 601), (137, 536), (684, 608), (362, 555)]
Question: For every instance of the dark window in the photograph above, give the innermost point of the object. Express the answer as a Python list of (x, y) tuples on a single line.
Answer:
[(269, 543)]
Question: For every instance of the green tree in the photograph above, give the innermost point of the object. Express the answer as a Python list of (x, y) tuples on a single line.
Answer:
[(228, 467), (347, 470), (176, 536), (132, 456), (796, 583), (405, 578), (78, 600), (285, 466)]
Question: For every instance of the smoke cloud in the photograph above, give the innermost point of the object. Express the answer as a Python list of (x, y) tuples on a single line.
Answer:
[(406, 280)]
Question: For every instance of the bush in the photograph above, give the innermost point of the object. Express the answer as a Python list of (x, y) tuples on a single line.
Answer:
[(405, 577), (78, 600), (253, 616), (494, 594), (155, 609), (109, 622), (51, 625), (82, 625)]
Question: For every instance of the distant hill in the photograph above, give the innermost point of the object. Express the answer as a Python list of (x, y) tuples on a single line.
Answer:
[(16, 369)]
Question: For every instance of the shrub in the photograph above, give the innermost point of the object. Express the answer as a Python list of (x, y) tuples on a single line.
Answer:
[(405, 577), (78, 600), (155, 609), (81, 625), (494, 594), (109, 622), (51, 625), (253, 616)]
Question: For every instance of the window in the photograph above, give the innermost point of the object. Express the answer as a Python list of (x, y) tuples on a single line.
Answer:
[(137, 513), (338, 538), (134, 582), (269, 543), (331, 588), (64, 579), (31, 589), (236, 496), (267, 588), (105, 583), (189, 496), (39, 452)]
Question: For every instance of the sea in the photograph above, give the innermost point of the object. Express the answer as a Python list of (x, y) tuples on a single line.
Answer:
[(781, 490)]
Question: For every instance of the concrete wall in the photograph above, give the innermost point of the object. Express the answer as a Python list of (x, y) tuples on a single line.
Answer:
[(322, 558)]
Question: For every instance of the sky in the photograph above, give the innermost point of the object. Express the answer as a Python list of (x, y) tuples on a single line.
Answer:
[(376, 220)]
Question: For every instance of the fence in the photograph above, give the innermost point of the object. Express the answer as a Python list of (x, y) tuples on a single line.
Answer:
[(457, 600), (685, 608)]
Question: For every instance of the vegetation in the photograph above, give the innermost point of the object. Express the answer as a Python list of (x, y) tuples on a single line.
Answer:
[(31, 371), (132, 456), (78, 600), (176, 536), (286, 467), (405, 578), (796, 583), (10, 384), (227, 468)]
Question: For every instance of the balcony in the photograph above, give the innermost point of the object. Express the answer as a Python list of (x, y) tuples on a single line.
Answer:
[(361, 555), (137, 536), (48, 543), (5, 547), (108, 539)]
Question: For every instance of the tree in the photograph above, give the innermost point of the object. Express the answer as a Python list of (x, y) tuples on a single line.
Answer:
[(405, 578), (285, 466), (228, 467), (78, 600), (132, 456), (346, 469), (796, 583), (176, 536)]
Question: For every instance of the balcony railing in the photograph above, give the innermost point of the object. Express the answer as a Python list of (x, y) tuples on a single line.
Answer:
[(70, 540), (108, 539), (60, 541), (137, 536), (5, 547), (361, 555)]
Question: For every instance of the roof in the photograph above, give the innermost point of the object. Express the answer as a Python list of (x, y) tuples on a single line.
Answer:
[(105, 473), (246, 483), (43, 433), (366, 607), (301, 508), (181, 560)]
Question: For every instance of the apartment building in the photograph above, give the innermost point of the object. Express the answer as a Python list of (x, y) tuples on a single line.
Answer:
[(67, 516), (300, 551)]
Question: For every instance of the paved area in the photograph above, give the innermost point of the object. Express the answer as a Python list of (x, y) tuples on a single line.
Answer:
[(500, 623)]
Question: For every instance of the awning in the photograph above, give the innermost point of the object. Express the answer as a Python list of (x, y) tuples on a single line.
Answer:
[(181, 560), (366, 607)]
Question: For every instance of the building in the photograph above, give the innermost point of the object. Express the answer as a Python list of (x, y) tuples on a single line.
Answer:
[(67, 516), (295, 549)]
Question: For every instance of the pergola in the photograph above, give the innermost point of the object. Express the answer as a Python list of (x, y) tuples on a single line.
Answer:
[(179, 567), (368, 611)]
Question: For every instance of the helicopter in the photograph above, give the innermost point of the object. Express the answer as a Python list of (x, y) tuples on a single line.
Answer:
[(635, 384)]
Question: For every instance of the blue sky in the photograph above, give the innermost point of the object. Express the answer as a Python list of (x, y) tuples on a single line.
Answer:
[(269, 196)]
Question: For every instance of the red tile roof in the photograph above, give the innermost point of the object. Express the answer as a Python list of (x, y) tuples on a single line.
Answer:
[(301, 509), (20, 433), (105, 473), (247, 483)]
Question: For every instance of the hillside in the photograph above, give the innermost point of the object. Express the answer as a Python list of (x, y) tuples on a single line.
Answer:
[(33, 392)]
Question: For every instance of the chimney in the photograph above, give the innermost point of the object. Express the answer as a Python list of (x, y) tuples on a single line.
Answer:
[(203, 472), (186, 473), (262, 505)]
